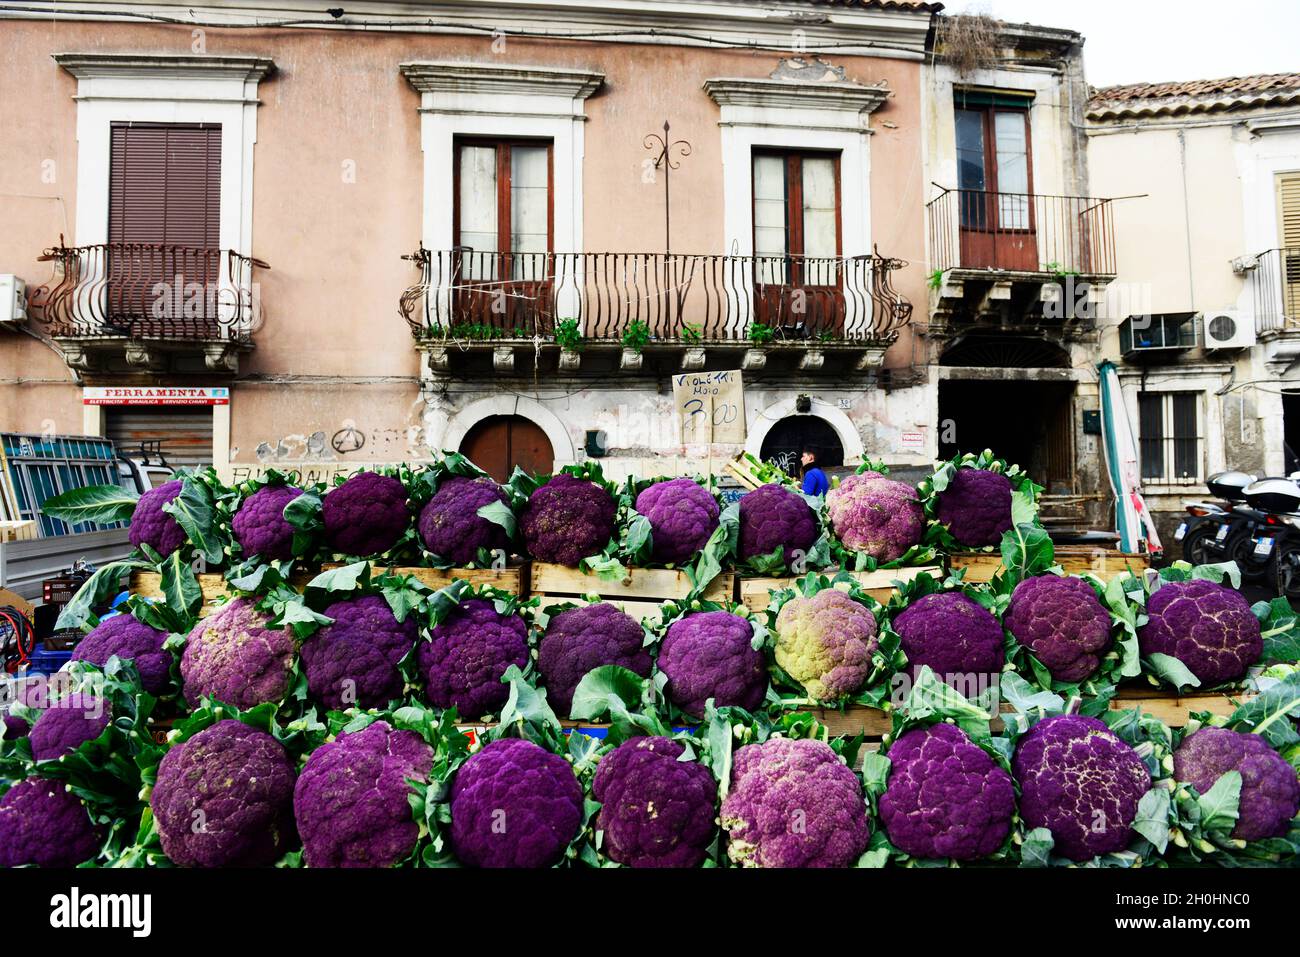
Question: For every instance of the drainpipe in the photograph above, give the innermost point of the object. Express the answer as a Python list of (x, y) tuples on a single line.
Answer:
[(1187, 220)]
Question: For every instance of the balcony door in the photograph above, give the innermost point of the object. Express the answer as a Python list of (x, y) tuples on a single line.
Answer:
[(996, 186), (504, 226), (163, 260), (798, 278)]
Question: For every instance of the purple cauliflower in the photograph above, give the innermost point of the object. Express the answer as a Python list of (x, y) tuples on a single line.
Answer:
[(67, 724), (366, 515), (710, 654), (353, 662), (825, 643), (151, 526), (794, 804), (683, 515), (224, 798), (514, 804), (1061, 621), (976, 507), (450, 526), (260, 526), (946, 797), (1207, 626), (656, 809), (1081, 782), (352, 799), (772, 516), (124, 637), (14, 728), (957, 637), (1270, 792), (580, 639), (567, 519), (233, 657), (44, 824), (874, 515), (465, 657)]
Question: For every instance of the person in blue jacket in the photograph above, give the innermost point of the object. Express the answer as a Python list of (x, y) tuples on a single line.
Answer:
[(814, 479)]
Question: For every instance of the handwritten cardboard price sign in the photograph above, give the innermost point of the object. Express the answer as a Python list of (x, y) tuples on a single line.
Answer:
[(710, 406)]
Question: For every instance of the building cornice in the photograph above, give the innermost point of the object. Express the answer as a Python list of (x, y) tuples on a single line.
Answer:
[(774, 25), (783, 94), (139, 66), (501, 79)]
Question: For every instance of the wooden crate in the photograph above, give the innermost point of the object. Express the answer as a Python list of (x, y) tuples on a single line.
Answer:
[(18, 531), (1075, 559), (873, 724), (214, 587), (755, 593), (639, 594)]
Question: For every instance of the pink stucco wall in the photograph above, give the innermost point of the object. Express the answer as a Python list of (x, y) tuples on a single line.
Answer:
[(334, 246)]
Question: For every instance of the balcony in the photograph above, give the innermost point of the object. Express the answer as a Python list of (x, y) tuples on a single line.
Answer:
[(595, 312), (124, 308), (1019, 259), (1273, 278)]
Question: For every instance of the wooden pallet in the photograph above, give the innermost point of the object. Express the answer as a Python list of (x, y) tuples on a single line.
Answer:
[(639, 594), (755, 593), (215, 590), (1074, 559)]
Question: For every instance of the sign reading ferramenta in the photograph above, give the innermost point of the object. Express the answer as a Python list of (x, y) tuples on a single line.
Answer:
[(155, 395)]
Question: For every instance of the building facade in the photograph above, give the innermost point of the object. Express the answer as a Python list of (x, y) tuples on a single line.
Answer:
[(1204, 317), (536, 234)]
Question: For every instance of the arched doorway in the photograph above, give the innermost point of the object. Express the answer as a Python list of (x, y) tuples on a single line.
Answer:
[(791, 435), (498, 443)]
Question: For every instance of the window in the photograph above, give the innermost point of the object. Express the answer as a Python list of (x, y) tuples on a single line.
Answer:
[(165, 184), (993, 156), (796, 217), (1288, 229), (503, 215), (1170, 436), (164, 216)]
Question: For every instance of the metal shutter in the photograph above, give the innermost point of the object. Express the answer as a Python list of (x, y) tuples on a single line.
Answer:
[(184, 434)]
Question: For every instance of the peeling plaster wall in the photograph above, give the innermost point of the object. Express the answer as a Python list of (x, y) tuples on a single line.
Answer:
[(643, 435)]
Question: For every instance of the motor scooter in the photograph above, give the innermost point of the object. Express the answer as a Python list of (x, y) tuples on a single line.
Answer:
[(1205, 531)]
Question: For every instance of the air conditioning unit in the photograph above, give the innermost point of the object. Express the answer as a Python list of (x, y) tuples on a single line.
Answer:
[(1227, 329), (13, 301)]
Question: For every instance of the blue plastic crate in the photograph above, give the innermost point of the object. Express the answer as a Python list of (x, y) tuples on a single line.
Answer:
[(46, 662)]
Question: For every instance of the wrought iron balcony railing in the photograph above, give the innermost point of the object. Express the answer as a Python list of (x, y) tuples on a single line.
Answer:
[(1022, 232), (463, 294), (1273, 277), (150, 291)]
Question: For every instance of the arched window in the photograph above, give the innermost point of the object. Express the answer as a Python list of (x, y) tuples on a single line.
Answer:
[(499, 443)]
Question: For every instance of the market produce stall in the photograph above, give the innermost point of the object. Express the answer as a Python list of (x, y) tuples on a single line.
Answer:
[(419, 667)]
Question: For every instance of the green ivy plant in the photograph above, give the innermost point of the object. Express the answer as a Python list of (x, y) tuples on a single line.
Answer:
[(692, 333), (760, 333)]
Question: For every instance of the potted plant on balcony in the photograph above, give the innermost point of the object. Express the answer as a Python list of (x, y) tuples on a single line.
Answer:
[(568, 335), (634, 339)]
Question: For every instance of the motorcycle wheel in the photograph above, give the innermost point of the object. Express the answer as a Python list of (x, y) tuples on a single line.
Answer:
[(1240, 548), (1194, 544), (1286, 571)]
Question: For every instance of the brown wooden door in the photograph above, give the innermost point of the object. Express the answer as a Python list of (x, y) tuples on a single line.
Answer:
[(798, 281), (995, 181), (499, 443)]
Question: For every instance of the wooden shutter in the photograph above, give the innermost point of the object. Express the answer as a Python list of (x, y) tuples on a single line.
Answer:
[(165, 184), (1288, 228), (164, 218), (1288, 210)]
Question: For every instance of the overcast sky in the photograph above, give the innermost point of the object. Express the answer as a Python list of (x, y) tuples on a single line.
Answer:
[(1133, 41)]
